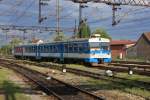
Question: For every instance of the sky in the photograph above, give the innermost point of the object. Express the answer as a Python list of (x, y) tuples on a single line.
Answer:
[(134, 20)]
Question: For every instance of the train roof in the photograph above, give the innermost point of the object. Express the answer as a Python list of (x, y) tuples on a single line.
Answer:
[(71, 40)]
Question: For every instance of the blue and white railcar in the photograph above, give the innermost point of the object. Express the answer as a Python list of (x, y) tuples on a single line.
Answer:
[(26, 50), (93, 50)]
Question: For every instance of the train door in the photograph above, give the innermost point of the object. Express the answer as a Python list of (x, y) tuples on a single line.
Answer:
[(61, 50), (37, 52)]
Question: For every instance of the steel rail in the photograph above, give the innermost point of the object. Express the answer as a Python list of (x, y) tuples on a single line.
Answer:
[(88, 95), (131, 62), (90, 74)]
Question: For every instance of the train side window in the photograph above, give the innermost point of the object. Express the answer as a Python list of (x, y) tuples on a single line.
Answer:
[(50, 48), (70, 48), (56, 48), (75, 47), (41, 49), (45, 49), (53, 48), (32, 48), (38, 48), (28, 49), (86, 47), (81, 48), (66, 48)]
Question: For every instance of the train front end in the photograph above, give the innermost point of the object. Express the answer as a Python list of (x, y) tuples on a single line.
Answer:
[(99, 51)]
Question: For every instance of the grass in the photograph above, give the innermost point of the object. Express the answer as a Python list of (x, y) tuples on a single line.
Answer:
[(122, 75), (11, 90), (105, 85), (136, 59), (108, 85), (126, 87), (134, 77)]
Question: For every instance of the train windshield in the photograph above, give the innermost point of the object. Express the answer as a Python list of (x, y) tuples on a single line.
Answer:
[(104, 46), (100, 45)]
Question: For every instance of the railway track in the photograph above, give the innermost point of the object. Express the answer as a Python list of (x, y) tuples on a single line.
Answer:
[(141, 68), (124, 81), (118, 80), (60, 90), (82, 72), (132, 62), (137, 69)]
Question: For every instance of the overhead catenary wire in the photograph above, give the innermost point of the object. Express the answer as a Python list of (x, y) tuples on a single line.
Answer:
[(67, 17), (12, 8), (121, 17), (24, 12)]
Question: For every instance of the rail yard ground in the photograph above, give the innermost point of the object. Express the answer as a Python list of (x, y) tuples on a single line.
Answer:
[(15, 87), (108, 89), (111, 90)]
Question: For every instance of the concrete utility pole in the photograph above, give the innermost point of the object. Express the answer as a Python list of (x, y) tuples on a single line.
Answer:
[(81, 6), (57, 17), (80, 13), (6, 31), (75, 28), (39, 20), (114, 10), (24, 36)]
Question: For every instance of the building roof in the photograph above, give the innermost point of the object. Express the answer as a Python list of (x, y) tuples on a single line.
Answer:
[(122, 42), (36, 41), (147, 35)]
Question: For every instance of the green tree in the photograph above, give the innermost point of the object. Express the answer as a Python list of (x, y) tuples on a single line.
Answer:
[(15, 42), (102, 33), (84, 30), (7, 49), (60, 37)]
